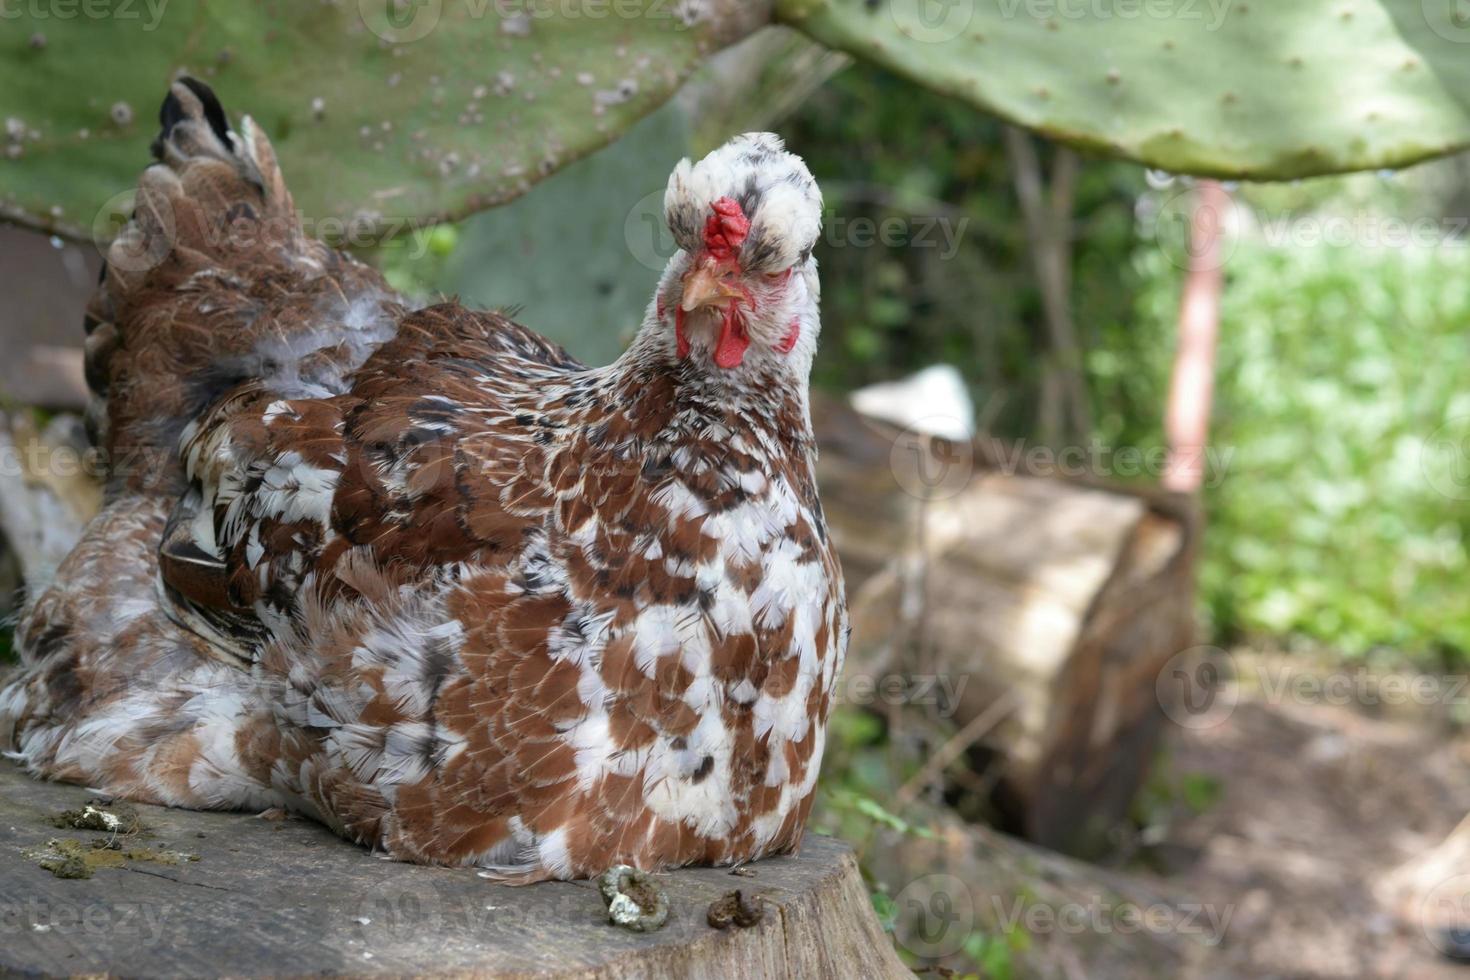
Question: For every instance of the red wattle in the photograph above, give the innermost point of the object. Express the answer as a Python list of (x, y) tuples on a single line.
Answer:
[(681, 339), (733, 343), (787, 345)]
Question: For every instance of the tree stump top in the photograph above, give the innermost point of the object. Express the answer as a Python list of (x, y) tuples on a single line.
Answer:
[(204, 893)]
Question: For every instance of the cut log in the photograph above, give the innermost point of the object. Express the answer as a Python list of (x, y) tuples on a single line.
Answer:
[(270, 897), (1047, 606)]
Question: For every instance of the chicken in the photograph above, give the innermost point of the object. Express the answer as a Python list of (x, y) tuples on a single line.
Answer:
[(418, 573)]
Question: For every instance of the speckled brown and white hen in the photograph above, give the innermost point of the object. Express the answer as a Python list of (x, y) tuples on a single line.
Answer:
[(418, 573)]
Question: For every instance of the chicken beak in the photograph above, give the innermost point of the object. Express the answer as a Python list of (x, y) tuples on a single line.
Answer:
[(704, 287)]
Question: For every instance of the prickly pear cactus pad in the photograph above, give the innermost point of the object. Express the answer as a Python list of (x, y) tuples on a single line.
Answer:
[(1266, 89), (385, 113)]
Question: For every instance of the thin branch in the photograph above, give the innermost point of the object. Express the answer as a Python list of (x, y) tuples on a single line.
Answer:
[(1048, 217), (978, 727)]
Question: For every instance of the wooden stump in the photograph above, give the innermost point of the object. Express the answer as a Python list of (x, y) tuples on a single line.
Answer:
[(1046, 608), (288, 897)]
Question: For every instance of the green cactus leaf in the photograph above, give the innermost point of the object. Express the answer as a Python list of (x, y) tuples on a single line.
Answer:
[(386, 113), (1262, 89)]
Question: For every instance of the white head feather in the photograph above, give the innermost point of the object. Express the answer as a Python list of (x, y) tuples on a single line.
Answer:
[(773, 188)]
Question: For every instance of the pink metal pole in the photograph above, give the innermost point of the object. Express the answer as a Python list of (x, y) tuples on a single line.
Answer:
[(1192, 388)]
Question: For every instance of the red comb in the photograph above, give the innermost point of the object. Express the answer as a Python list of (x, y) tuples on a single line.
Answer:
[(725, 230)]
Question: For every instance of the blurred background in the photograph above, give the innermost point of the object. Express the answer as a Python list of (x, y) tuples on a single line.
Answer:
[(1106, 714)]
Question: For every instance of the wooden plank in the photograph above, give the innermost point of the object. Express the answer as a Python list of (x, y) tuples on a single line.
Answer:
[(1048, 606), (46, 290), (288, 897)]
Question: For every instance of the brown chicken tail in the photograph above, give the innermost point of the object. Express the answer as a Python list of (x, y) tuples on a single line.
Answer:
[(212, 265), (213, 196)]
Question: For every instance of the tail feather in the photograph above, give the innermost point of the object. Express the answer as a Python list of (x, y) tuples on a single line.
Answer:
[(178, 109), (212, 264)]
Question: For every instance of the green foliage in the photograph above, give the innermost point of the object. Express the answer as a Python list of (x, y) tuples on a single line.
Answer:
[(1169, 796), (473, 104), (1342, 516), (886, 910), (1261, 90), (997, 955)]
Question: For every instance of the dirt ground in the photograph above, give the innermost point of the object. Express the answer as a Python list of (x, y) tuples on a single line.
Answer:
[(1323, 797)]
